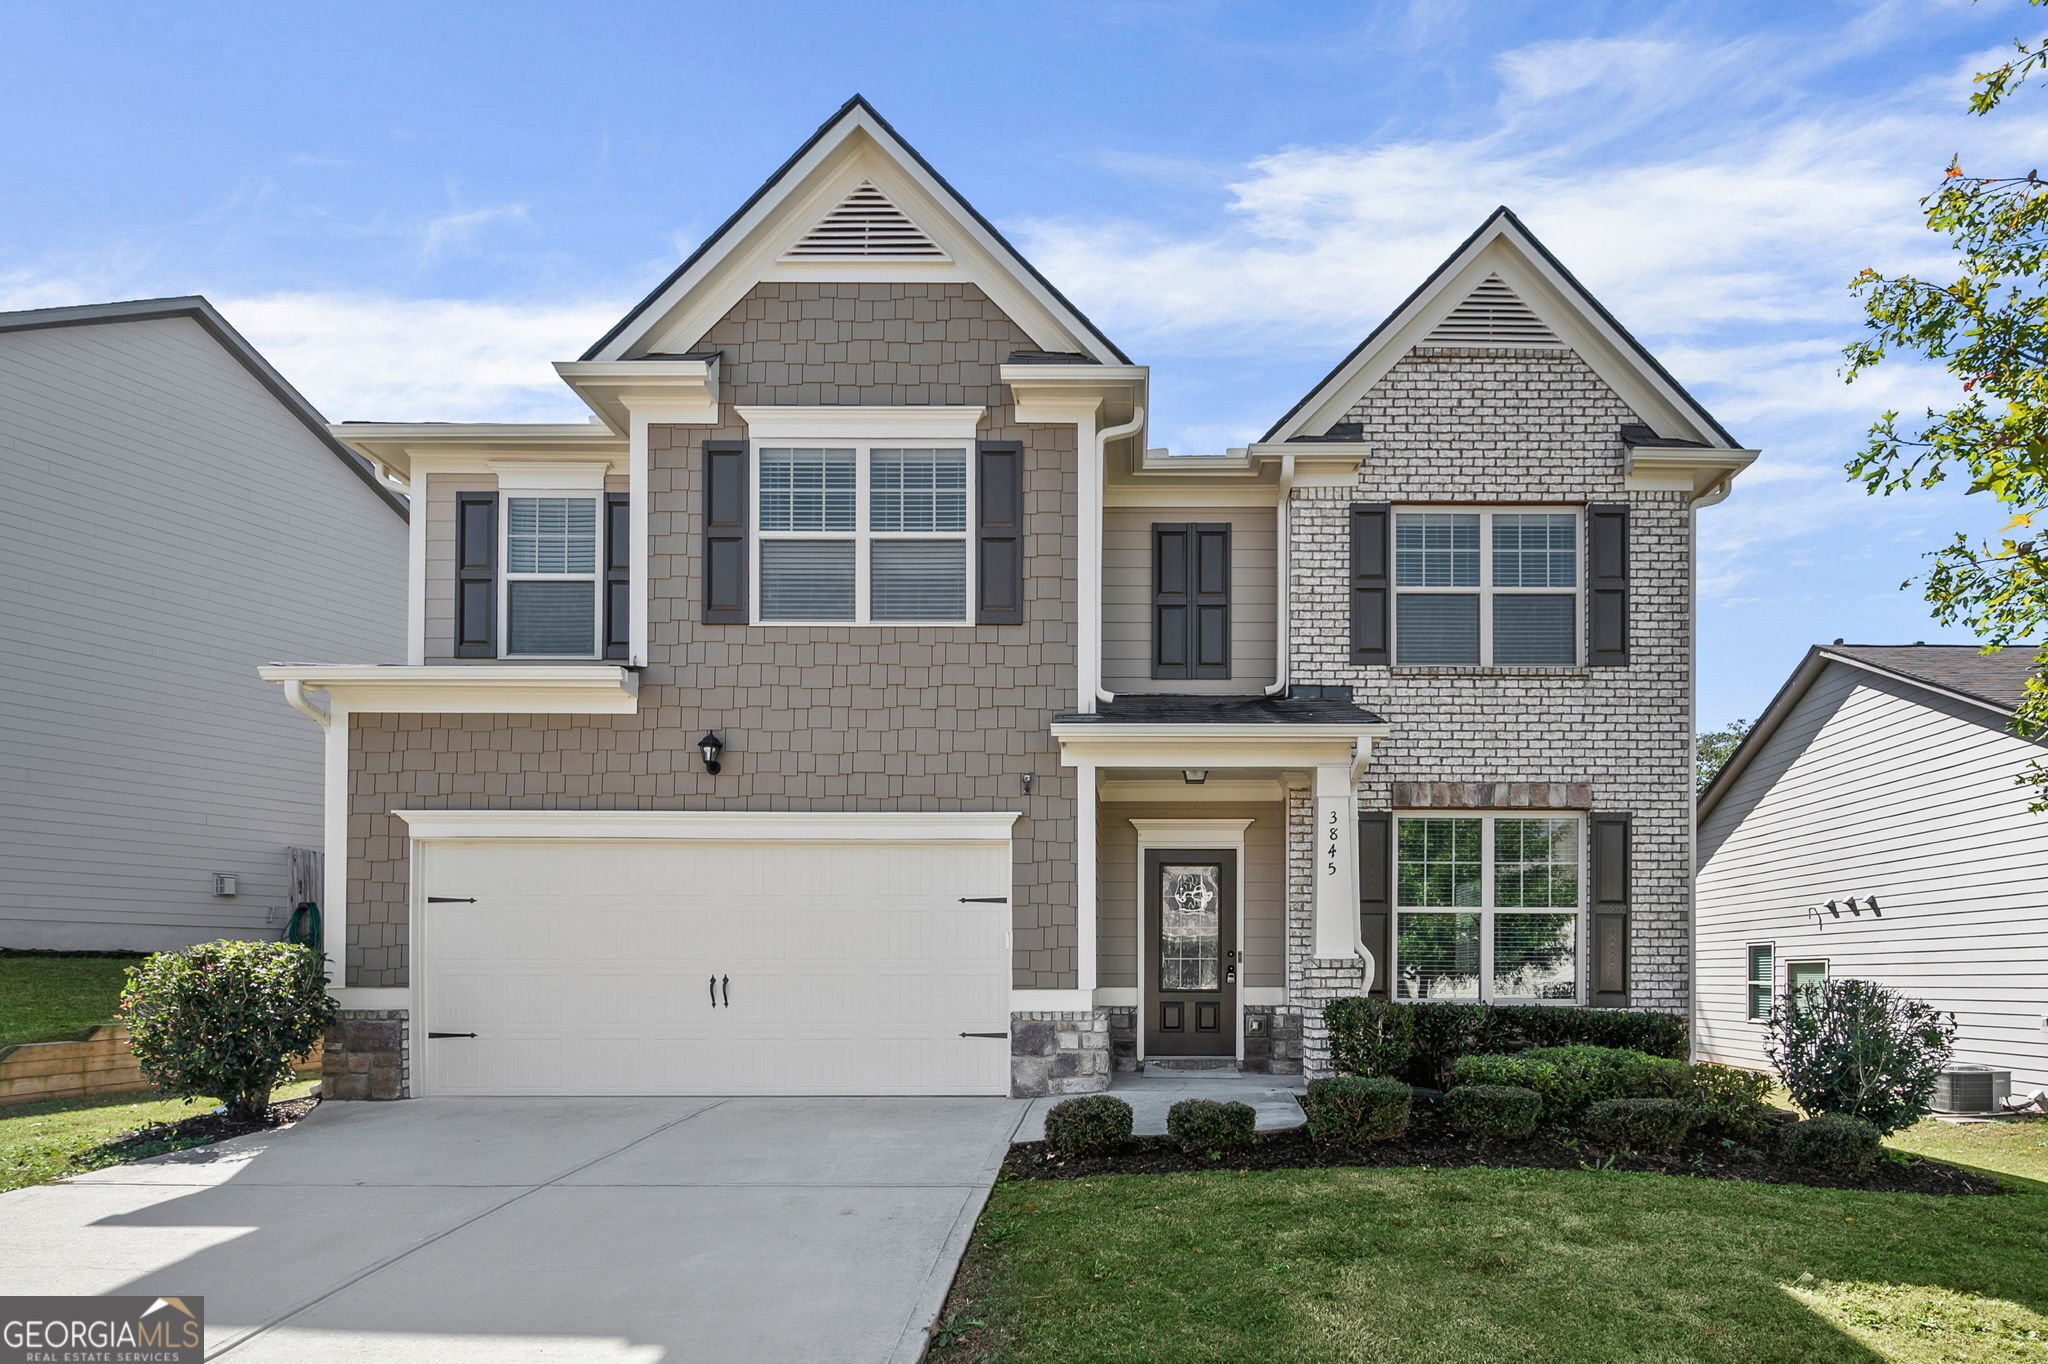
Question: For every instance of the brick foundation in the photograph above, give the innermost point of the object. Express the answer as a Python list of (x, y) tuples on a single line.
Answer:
[(366, 1056)]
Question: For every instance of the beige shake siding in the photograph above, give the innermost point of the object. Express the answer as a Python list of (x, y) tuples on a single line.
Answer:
[(839, 718)]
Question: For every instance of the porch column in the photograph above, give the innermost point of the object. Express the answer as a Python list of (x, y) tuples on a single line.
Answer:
[(1336, 864), (1084, 877)]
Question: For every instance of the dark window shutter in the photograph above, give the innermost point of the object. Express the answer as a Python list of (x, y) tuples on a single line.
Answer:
[(618, 573), (999, 532), (1372, 596), (727, 491), (1376, 893), (1607, 586), (476, 575), (1190, 600), (1610, 856)]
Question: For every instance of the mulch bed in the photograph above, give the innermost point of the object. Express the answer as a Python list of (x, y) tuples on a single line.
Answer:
[(202, 1129), (1426, 1146)]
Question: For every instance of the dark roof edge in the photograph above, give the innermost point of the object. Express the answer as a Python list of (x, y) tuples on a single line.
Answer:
[(857, 102), (1795, 688), (1642, 353), (198, 309)]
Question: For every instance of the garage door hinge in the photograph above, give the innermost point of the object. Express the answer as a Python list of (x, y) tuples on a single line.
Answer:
[(984, 1034), (984, 899), (451, 899), (451, 1034)]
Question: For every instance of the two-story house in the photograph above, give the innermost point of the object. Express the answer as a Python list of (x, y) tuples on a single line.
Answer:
[(856, 705)]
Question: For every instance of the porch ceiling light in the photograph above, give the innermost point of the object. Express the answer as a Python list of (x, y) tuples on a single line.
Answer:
[(1194, 776), (710, 746)]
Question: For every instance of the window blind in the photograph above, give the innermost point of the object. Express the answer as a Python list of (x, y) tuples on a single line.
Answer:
[(807, 580), (551, 617), (917, 580), (1436, 629)]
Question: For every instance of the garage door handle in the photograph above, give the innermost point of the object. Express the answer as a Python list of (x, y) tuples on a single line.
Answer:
[(725, 984), (451, 1034), (984, 1034), (714, 992)]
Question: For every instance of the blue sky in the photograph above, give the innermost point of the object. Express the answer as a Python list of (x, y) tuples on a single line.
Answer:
[(414, 208)]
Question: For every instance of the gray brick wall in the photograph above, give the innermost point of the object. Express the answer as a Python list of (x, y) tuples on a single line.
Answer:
[(1491, 425), (913, 719)]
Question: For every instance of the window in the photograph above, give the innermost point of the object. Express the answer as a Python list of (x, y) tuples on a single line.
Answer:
[(1802, 982), (1487, 907), (551, 576), (1763, 959), (1494, 587), (863, 534)]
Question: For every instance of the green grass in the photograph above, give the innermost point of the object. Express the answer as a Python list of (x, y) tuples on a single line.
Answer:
[(40, 1142), (1529, 1265), (50, 999)]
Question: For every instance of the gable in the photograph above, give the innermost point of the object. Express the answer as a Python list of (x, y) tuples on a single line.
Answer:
[(855, 204), (1502, 287)]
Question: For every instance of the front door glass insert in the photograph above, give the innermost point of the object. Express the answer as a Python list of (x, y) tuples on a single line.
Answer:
[(1190, 918)]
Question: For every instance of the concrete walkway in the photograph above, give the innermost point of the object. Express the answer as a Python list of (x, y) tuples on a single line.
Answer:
[(592, 1231), (1152, 1093)]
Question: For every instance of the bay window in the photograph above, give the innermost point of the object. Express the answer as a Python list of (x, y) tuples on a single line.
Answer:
[(1486, 587), (1488, 907), (862, 534), (551, 576)]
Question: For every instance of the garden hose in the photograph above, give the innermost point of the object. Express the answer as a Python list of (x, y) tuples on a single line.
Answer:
[(304, 925)]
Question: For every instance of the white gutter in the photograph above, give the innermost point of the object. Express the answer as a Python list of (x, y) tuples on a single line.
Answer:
[(1091, 555), (1283, 555), (295, 695)]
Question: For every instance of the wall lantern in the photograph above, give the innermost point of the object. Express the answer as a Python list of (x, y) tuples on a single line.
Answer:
[(710, 746)]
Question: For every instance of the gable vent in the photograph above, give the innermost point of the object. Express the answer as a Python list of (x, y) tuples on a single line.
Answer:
[(865, 226), (1492, 315)]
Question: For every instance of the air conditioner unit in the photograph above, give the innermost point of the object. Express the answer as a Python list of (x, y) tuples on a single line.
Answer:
[(1965, 1089)]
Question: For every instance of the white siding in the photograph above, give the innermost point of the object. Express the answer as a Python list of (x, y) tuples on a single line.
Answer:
[(168, 527), (1871, 787), (1127, 599)]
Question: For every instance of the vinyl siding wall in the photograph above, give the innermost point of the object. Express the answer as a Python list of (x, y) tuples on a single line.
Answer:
[(1127, 599), (168, 528), (1262, 898), (1876, 787)]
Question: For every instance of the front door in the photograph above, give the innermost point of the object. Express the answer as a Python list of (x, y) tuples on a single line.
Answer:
[(1191, 953)]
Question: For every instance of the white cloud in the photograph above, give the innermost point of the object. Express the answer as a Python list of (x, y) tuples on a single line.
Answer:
[(455, 231)]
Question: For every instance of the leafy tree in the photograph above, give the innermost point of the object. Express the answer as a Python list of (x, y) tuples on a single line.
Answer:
[(1989, 328), (1711, 749), (1859, 1048)]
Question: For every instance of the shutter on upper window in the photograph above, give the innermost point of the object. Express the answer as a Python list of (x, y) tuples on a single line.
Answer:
[(1609, 854), (476, 575), (726, 495), (999, 532), (618, 573), (1607, 586), (1371, 583), (1376, 894), (1191, 601)]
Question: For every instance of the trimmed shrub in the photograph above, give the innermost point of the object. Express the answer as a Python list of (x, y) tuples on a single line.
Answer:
[(1421, 1042), (1515, 1072), (1204, 1126), (1729, 1103), (1857, 1048), (226, 1020), (1835, 1142), (1644, 1126), (1356, 1110), (1088, 1125), (1570, 1079), (1492, 1112)]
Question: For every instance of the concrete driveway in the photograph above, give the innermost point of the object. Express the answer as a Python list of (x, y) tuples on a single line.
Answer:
[(455, 1230)]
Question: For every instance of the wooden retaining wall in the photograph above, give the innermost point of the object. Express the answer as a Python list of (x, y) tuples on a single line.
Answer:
[(99, 1063)]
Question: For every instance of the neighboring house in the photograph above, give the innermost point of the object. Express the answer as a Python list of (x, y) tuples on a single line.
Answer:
[(176, 515), (1871, 825), (1034, 752)]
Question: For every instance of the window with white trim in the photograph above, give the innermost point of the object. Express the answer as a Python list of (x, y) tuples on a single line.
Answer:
[(862, 534), (1488, 907), (1498, 587), (1763, 970), (550, 587)]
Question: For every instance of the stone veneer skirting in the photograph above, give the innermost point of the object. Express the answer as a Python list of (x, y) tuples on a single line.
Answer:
[(1058, 1053), (366, 1056)]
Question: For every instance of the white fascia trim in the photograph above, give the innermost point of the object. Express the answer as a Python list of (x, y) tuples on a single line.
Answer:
[(468, 689), (456, 446), (861, 423), (1190, 833), (1085, 731), (583, 476), (1213, 791), (1699, 472), (667, 392), (716, 826)]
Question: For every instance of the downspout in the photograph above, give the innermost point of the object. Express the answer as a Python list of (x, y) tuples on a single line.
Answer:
[(1716, 494), (295, 696), (1094, 513), (1361, 751), (1283, 618)]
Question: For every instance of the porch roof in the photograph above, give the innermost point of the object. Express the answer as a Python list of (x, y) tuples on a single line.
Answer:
[(1181, 709)]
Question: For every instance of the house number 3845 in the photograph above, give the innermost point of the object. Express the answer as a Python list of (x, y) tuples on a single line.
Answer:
[(1330, 866)]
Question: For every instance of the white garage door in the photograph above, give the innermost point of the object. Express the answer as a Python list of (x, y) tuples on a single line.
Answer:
[(714, 968)]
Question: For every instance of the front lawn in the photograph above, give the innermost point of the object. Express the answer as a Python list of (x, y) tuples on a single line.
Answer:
[(1532, 1265), (52, 998), (40, 1142)]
